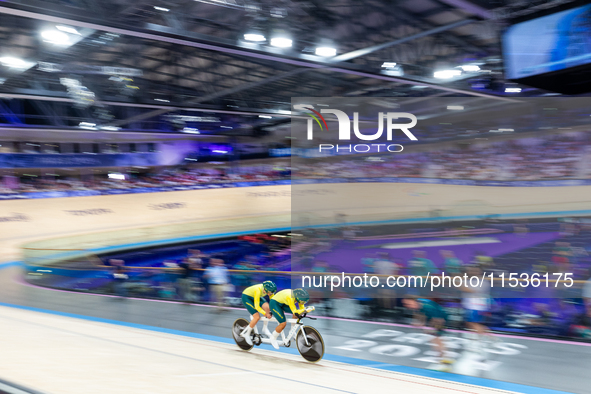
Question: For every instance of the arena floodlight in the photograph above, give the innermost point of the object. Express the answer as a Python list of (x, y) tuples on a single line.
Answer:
[(326, 51), (254, 37), (470, 68), (67, 29), (191, 130), (55, 37), (446, 74), (87, 125), (281, 42), (14, 62), (120, 177)]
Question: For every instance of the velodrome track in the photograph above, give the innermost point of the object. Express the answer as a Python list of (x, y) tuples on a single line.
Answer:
[(81, 342), (73, 356), (124, 345), (143, 217)]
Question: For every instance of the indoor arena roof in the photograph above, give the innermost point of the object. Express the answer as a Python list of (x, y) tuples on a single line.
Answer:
[(132, 64)]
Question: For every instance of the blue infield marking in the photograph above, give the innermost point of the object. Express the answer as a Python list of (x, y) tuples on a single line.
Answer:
[(519, 388)]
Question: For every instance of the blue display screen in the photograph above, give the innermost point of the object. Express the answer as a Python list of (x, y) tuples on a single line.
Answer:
[(547, 44)]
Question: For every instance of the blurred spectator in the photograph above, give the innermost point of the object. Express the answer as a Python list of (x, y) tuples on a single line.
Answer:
[(217, 277), (384, 266), (420, 265), (561, 256), (322, 294), (477, 303), (565, 314), (178, 176), (452, 265), (185, 280), (349, 234), (197, 260), (485, 262), (197, 287), (582, 326), (320, 266), (587, 293), (196, 256), (114, 262), (520, 228), (554, 157), (543, 320), (243, 280), (368, 263), (120, 278)]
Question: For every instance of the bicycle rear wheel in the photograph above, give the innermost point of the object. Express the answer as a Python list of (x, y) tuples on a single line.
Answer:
[(315, 350), (238, 326)]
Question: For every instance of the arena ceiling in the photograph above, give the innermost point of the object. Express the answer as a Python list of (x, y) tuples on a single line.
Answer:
[(148, 64)]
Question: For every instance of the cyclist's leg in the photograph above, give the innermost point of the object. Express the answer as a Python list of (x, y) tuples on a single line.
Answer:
[(277, 310), (265, 304), (278, 313), (266, 307), (248, 303)]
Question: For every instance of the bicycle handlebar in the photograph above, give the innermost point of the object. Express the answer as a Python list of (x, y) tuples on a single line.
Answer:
[(305, 315)]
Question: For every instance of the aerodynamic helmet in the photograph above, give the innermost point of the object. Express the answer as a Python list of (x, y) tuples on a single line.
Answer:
[(269, 287), (301, 295)]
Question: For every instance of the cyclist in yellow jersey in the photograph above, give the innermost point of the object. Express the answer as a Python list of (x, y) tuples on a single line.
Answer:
[(254, 298), (285, 301)]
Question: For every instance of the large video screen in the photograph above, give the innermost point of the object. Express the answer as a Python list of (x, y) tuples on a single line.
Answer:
[(547, 44)]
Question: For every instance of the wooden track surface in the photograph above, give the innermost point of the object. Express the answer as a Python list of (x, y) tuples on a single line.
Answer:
[(146, 215), (106, 358)]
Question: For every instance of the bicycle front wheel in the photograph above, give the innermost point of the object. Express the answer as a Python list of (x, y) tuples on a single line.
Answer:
[(314, 351), (238, 326)]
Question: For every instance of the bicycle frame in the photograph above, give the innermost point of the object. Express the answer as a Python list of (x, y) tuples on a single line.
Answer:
[(296, 326)]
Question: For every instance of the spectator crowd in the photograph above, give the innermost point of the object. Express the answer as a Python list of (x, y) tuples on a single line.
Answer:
[(514, 160), (558, 157)]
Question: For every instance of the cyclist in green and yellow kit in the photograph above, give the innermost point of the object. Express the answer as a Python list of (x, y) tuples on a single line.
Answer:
[(256, 300)]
